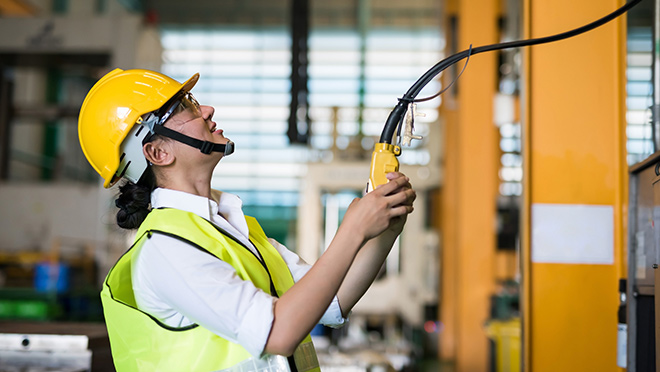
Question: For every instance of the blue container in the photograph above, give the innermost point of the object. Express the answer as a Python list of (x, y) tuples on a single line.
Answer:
[(51, 277)]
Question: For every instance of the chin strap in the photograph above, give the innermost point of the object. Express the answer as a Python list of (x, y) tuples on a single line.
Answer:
[(205, 147)]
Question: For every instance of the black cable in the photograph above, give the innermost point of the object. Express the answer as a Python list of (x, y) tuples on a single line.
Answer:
[(395, 116), (450, 84)]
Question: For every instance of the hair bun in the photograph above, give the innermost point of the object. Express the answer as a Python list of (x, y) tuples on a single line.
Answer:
[(133, 203)]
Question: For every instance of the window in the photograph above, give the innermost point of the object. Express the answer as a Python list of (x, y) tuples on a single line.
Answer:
[(639, 88), (354, 86)]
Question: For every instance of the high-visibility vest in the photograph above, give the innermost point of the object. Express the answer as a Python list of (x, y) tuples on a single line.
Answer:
[(140, 342)]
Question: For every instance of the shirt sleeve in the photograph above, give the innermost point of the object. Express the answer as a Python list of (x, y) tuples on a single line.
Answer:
[(180, 285), (298, 267)]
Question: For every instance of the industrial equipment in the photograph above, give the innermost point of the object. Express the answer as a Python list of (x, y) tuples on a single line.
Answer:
[(384, 159), (642, 264)]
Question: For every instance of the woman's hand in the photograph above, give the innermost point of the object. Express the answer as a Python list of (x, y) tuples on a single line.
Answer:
[(384, 208), (397, 223), (381, 215)]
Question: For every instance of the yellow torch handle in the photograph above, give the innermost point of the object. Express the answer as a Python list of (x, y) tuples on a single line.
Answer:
[(383, 161)]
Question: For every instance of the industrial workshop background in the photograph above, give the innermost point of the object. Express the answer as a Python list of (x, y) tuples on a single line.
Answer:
[(535, 176)]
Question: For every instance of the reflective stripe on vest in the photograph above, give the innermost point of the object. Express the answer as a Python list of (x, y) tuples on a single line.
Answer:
[(139, 342)]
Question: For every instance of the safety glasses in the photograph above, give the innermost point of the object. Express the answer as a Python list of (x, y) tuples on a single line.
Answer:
[(179, 103), (182, 102)]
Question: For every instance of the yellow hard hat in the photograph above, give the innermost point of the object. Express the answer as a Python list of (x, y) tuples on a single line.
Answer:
[(111, 110)]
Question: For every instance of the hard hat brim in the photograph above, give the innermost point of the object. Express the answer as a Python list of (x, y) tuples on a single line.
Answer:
[(190, 83)]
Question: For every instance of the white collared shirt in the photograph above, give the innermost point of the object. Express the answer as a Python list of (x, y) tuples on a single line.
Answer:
[(181, 285)]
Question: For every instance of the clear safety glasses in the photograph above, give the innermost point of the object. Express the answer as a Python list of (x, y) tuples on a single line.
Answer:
[(183, 102), (186, 102)]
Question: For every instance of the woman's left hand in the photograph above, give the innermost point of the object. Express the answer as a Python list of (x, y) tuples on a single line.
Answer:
[(397, 223)]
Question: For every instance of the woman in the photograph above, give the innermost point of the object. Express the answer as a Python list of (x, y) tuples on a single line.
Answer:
[(203, 288)]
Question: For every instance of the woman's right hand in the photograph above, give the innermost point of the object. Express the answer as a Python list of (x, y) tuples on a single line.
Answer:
[(372, 214)]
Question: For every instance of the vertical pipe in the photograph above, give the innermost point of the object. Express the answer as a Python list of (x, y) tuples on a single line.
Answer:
[(299, 121), (364, 15), (469, 198), (525, 210), (51, 129), (5, 122), (626, 220)]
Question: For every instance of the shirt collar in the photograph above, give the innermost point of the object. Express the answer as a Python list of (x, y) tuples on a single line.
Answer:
[(199, 205), (227, 204), (222, 203), (224, 209)]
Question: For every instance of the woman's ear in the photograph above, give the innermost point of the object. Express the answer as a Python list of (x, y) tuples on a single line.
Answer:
[(157, 154)]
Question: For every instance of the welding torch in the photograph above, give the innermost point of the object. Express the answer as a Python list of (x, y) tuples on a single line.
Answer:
[(384, 157)]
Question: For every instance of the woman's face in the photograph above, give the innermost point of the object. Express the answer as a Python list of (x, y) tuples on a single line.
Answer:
[(196, 121)]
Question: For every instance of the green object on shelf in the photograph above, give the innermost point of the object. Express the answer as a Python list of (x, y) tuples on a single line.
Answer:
[(7, 309), (27, 304), (33, 310)]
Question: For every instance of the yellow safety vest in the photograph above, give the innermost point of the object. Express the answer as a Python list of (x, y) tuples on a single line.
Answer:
[(140, 342)]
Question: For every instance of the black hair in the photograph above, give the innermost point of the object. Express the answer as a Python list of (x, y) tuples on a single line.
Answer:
[(134, 200)]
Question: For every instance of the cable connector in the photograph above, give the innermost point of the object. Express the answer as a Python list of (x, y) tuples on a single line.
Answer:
[(409, 122)]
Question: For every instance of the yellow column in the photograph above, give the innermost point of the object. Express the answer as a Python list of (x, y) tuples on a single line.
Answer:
[(469, 192), (574, 141)]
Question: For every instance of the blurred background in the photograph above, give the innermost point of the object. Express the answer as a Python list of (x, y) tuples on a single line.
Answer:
[(534, 177)]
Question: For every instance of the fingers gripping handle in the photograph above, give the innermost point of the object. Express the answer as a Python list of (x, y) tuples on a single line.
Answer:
[(383, 161)]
